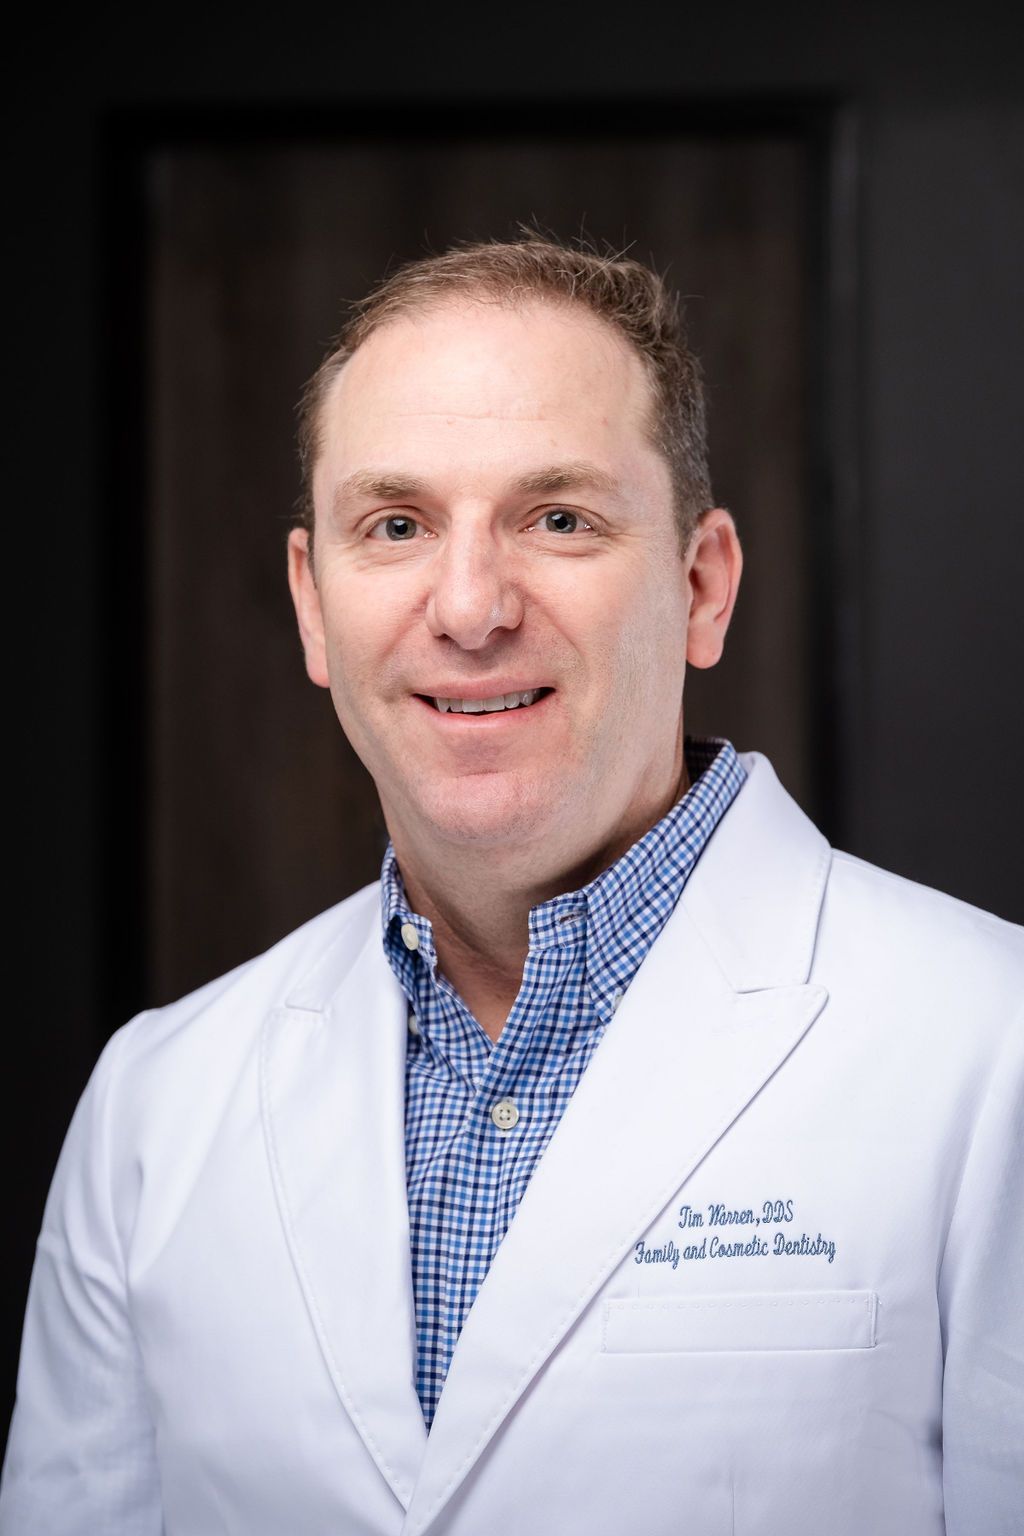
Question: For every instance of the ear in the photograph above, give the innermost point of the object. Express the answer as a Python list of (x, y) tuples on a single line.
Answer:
[(714, 563), (307, 606)]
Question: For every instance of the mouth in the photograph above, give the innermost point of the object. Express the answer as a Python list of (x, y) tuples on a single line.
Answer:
[(500, 703)]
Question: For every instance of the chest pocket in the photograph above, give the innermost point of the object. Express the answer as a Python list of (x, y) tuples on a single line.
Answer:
[(787, 1320)]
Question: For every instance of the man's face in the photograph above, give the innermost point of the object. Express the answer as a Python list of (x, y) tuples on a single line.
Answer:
[(493, 524)]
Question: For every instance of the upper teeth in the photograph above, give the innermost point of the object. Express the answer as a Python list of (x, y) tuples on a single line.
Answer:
[(488, 706)]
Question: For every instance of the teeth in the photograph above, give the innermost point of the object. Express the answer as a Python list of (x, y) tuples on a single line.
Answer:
[(488, 706)]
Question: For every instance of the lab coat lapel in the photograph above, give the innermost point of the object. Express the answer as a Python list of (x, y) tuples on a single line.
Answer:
[(692, 1043), (332, 1083)]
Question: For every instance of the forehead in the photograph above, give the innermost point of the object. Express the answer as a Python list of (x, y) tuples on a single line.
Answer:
[(485, 378)]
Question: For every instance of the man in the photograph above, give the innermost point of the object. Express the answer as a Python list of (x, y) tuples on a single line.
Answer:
[(662, 1163)]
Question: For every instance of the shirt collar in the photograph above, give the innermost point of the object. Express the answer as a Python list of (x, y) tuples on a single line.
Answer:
[(628, 903)]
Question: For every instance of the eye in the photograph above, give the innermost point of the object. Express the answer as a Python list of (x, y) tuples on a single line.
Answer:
[(561, 520), (398, 528)]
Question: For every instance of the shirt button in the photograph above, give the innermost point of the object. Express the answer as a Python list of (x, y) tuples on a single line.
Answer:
[(410, 938), (414, 1024), (505, 1115)]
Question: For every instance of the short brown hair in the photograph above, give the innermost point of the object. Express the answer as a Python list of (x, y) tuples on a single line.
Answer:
[(625, 294)]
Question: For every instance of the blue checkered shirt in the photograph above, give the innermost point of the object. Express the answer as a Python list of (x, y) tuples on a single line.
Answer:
[(465, 1175)]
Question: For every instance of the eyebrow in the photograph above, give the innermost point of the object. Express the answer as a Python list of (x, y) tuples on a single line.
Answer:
[(366, 485), (575, 474)]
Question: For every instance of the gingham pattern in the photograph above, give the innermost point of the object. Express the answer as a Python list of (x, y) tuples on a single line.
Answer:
[(465, 1176)]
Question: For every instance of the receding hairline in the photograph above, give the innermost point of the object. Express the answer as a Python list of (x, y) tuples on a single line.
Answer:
[(419, 308), (433, 304)]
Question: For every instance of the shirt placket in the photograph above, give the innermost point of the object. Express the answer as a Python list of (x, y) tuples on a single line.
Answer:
[(488, 1145)]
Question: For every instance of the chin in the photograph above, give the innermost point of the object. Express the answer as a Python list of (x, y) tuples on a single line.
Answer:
[(485, 809)]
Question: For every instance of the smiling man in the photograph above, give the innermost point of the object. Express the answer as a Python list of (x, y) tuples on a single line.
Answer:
[(501, 586), (627, 1160)]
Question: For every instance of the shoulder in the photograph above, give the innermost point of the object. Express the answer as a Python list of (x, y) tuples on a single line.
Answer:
[(897, 925), (898, 959), (932, 987), (781, 873), (176, 1081), (219, 1024)]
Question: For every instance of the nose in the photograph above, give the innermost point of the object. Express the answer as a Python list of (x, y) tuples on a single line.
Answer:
[(474, 593)]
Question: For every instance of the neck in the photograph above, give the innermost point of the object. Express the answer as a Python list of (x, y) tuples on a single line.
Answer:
[(478, 902)]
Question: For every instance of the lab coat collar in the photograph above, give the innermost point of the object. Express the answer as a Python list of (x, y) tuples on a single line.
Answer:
[(333, 1098), (755, 897)]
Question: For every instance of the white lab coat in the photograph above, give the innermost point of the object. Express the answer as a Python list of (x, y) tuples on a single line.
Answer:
[(220, 1332)]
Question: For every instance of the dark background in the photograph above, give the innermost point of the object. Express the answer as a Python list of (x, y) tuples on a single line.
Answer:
[(932, 648)]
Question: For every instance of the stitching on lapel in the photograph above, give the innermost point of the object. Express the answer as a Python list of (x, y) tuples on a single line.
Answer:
[(279, 1016)]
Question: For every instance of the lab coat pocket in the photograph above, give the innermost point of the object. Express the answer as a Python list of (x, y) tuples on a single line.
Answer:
[(742, 1323)]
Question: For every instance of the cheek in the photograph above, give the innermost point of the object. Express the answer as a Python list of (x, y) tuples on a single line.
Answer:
[(361, 635), (353, 670), (645, 657), (627, 690)]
